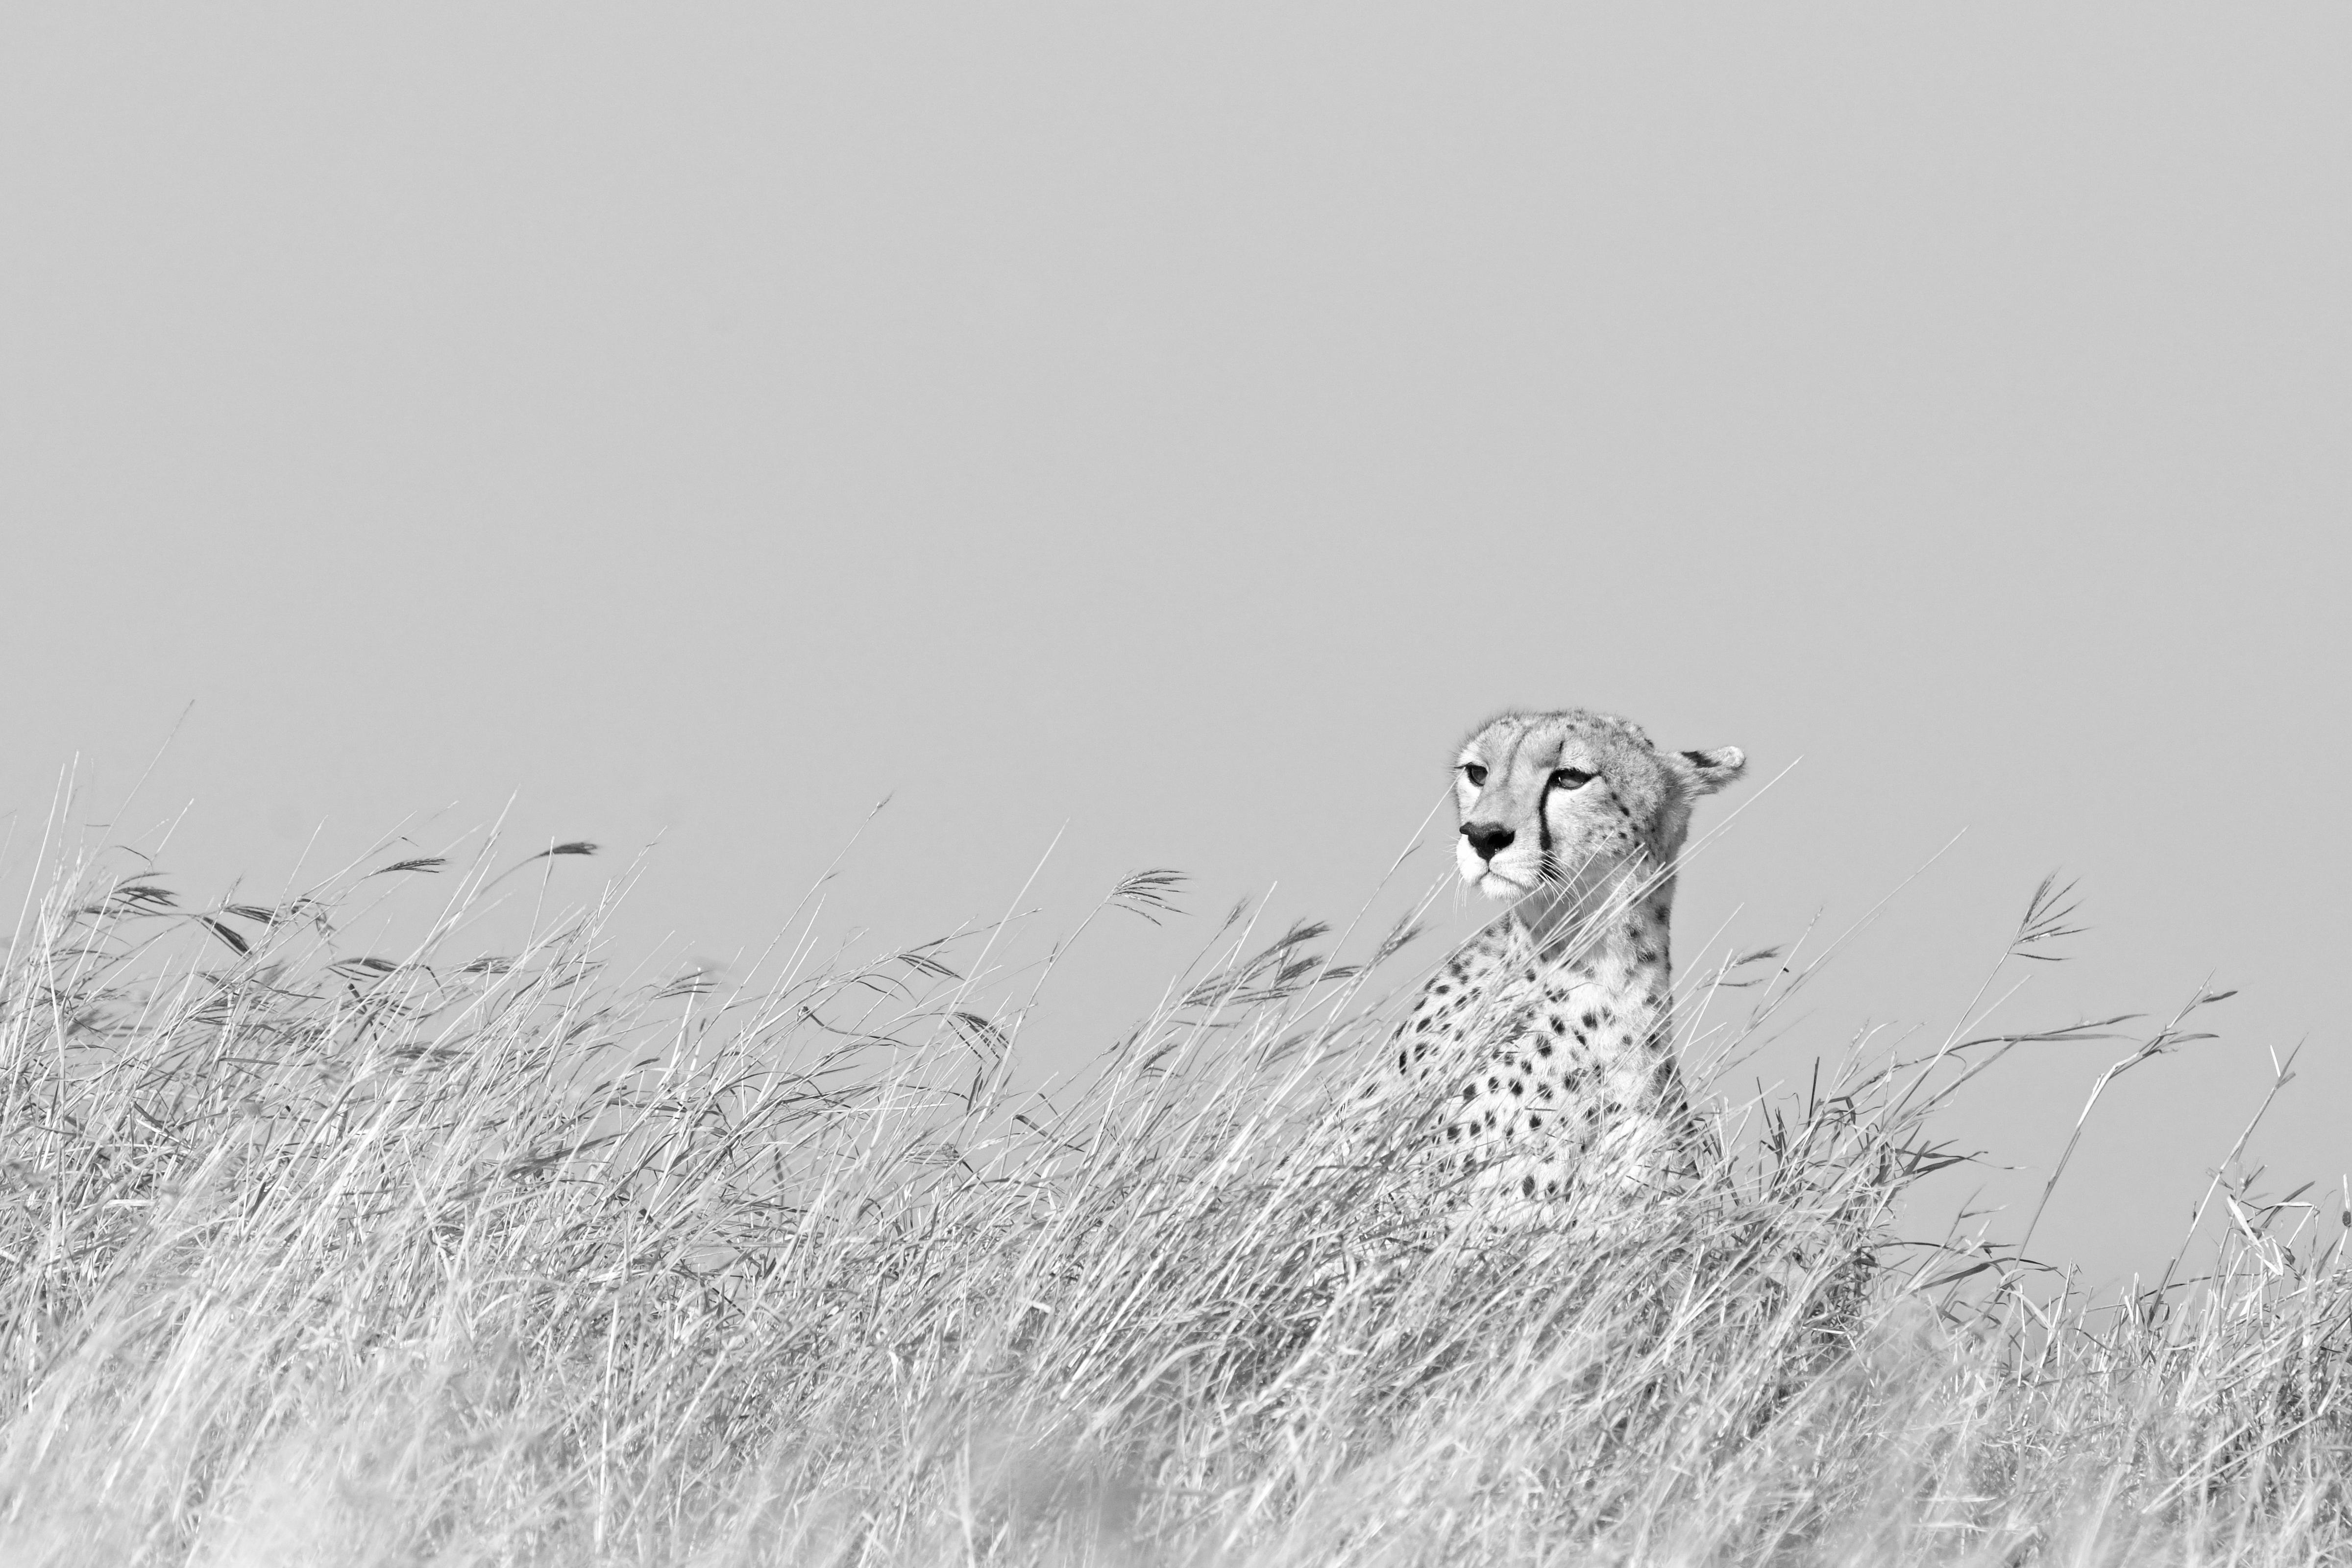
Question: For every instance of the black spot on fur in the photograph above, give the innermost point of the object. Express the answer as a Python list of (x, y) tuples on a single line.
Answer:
[(1528, 1187), (1592, 1021), (1517, 1088)]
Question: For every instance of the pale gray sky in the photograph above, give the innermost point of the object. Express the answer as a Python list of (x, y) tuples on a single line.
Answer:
[(1181, 423)]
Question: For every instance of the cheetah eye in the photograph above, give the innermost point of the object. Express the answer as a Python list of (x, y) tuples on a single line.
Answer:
[(1570, 778), (1475, 772)]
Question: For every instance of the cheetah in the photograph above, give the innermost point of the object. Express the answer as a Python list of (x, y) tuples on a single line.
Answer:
[(1549, 1033)]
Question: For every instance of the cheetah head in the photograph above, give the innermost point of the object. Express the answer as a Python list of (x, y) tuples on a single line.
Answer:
[(1555, 804)]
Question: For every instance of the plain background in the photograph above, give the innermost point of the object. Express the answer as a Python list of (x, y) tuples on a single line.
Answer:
[(1169, 429)]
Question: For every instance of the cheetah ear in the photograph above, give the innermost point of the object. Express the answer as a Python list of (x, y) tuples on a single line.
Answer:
[(1704, 773)]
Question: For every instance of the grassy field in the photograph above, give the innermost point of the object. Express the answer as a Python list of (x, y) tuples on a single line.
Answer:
[(313, 1255)]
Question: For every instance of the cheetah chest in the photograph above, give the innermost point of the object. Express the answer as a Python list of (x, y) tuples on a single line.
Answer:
[(1549, 1081)]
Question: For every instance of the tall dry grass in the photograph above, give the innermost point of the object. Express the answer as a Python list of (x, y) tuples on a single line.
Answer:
[(311, 1255)]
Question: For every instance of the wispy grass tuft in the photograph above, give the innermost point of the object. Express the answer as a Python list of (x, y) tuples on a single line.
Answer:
[(318, 1256)]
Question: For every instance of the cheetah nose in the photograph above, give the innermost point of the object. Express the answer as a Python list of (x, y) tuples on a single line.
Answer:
[(1489, 838)]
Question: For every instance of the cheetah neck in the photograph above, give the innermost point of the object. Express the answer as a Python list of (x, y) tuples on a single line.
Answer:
[(1614, 946)]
